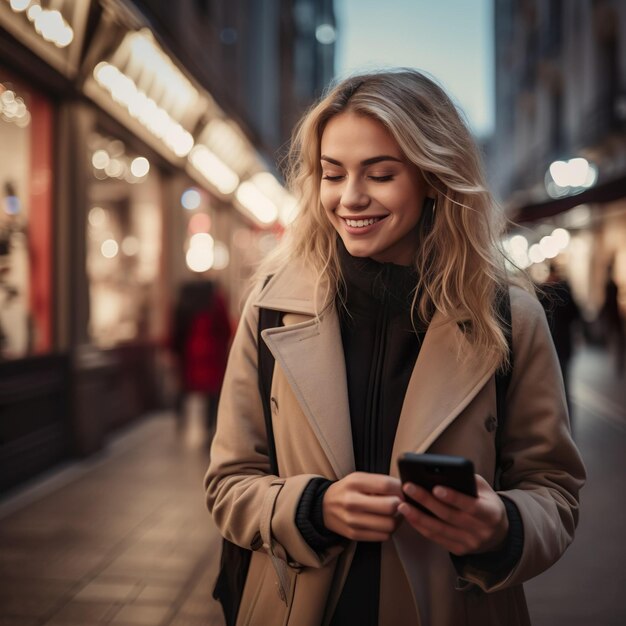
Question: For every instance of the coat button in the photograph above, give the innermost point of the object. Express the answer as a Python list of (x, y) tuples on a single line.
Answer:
[(274, 404), (491, 423)]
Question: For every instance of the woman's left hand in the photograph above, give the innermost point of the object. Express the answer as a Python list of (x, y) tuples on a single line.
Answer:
[(463, 524)]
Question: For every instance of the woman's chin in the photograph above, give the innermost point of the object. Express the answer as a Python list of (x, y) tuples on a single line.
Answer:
[(358, 250)]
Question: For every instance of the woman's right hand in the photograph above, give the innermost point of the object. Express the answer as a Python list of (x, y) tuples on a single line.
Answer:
[(363, 506)]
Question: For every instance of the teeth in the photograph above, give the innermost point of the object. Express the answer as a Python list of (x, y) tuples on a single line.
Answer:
[(361, 223)]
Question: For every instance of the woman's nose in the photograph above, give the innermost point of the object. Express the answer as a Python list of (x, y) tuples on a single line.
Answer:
[(354, 196)]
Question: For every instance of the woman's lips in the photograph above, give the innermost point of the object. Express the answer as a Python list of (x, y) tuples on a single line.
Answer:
[(361, 222), (361, 225)]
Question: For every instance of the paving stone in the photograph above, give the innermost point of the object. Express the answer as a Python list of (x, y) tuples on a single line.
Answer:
[(31, 597), (198, 606), (141, 615), (155, 593), (147, 570), (79, 613), (108, 590), (18, 621), (190, 620)]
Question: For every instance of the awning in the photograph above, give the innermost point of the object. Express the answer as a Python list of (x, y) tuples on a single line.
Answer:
[(138, 83), (54, 30), (604, 192)]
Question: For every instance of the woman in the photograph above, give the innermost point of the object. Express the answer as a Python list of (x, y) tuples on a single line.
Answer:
[(390, 340)]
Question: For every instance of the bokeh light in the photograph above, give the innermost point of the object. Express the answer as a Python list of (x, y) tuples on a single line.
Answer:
[(191, 199)]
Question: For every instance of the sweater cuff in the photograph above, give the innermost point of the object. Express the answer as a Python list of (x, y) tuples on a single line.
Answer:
[(310, 516), (496, 565)]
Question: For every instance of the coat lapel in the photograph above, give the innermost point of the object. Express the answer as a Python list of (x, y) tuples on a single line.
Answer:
[(309, 351), (448, 373)]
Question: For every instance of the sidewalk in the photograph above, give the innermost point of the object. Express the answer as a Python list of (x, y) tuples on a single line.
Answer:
[(120, 539), (586, 587)]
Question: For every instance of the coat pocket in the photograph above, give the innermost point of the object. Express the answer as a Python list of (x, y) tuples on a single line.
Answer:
[(262, 604)]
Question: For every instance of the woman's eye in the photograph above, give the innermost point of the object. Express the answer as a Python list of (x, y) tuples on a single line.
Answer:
[(382, 179), (331, 178)]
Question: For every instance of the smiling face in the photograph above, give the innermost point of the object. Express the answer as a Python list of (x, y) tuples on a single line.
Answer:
[(371, 193)]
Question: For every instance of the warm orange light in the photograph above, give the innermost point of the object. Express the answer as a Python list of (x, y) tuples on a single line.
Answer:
[(199, 223)]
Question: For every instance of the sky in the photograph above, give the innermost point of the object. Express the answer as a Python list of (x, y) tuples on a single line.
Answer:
[(450, 39)]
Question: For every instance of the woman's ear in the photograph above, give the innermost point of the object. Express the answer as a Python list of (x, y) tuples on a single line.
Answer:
[(427, 216), (429, 189), (428, 204)]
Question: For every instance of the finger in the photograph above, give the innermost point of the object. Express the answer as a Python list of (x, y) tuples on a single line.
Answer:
[(379, 484), (456, 499), (449, 537), (358, 534), (378, 523), (427, 524), (481, 483), (484, 508), (367, 529), (451, 523), (356, 502), (435, 505), (455, 530)]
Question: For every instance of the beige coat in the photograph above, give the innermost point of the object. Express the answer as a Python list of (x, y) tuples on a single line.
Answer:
[(449, 408)]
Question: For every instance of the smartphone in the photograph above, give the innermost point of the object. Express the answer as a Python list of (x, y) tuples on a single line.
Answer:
[(430, 470)]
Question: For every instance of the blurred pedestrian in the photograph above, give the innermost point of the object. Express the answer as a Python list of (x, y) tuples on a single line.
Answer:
[(564, 317), (200, 341), (388, 284), (612, 321)]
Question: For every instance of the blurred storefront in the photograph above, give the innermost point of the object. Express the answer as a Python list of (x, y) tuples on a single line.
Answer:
[(122, 178), (558, 158), (25, 219), (34, 374)]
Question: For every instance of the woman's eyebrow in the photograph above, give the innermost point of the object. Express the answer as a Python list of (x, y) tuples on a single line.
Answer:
[(370, 161)]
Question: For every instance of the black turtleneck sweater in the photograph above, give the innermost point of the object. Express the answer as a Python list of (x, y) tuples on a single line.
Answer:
[(380, 347)]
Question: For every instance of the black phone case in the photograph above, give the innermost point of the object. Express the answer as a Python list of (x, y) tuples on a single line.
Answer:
[(430, 470)]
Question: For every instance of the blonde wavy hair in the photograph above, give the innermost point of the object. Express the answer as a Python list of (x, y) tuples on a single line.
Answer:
[(458, 258)]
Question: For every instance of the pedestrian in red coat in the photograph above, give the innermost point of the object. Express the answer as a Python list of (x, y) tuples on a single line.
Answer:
[(201, 339)]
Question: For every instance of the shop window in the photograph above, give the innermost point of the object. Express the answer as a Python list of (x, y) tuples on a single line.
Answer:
[(25, 220), (124, 233)]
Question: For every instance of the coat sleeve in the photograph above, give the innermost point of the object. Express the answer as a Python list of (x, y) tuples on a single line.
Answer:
[(542, 468), (250, 506)]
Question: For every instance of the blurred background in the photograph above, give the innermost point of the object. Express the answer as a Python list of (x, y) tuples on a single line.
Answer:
[(141, 144)]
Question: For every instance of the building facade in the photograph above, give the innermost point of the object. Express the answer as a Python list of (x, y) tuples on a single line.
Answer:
[(138, 151), (558, 158)]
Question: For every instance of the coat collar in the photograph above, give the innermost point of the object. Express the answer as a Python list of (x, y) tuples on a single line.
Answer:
[(294, 289), (448, 373)]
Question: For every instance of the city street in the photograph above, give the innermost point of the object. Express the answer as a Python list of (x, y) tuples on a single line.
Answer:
[(157, 156), (124, 537)]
